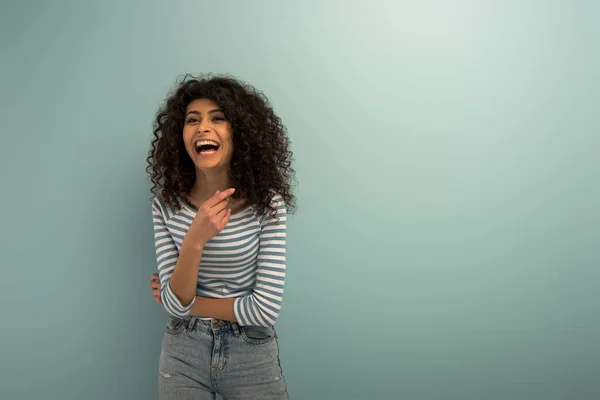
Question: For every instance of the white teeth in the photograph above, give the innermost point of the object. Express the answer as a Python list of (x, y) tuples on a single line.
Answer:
[(205, 142)]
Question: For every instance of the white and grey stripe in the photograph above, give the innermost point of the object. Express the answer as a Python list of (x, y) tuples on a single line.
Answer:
[(246, 260)]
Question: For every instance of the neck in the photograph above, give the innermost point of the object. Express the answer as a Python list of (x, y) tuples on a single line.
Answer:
[(207, 183)]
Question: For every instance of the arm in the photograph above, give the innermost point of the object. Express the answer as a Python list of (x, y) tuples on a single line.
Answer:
[(214, 308), (218, 308), (178, 270), (174, 289), (262, 306)]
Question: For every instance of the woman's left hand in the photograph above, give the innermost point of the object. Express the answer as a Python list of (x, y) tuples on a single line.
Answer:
[(155, 286)]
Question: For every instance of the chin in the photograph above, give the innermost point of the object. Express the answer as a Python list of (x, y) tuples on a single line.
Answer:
[(209, 165)]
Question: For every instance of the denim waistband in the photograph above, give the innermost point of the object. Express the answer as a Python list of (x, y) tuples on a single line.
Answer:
[(210, 325)]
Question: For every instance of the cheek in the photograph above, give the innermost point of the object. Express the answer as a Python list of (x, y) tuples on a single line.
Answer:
[(229, 142), (187, 136), (229, 148)]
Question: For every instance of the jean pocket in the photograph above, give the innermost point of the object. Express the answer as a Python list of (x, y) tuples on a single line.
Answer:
[(174, 325), (258, 335)]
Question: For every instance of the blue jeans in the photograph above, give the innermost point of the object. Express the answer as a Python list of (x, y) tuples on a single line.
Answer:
[(200, 358)]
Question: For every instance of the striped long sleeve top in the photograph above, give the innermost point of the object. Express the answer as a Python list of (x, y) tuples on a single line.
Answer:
[(246, 260)]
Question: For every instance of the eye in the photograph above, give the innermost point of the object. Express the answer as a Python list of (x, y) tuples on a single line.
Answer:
[(219, 119), (191, 120)]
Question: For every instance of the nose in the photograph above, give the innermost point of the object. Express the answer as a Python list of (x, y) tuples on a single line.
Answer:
[(202, 127)]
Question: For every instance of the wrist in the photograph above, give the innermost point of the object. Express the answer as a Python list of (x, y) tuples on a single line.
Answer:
[(192, 244)]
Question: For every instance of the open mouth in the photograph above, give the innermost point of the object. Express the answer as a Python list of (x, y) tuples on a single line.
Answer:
[(206, 147)]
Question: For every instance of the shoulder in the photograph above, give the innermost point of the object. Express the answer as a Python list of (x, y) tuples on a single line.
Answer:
[(158, 203), (161, 207), (276, 212), (277, 202)]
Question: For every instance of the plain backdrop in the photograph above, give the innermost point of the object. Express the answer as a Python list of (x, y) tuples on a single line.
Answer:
[(446, 242)]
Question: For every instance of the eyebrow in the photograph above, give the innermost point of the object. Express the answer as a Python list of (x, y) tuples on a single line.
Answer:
[(216, 110)]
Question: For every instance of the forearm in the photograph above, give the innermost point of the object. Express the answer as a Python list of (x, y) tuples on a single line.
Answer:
[(214, 308), (185, 274)]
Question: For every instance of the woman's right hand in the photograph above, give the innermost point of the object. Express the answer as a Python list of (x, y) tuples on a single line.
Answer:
[(211, 218), (155, 287)]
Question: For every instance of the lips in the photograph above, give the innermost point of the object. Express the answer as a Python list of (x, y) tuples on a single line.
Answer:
[(205, 147)]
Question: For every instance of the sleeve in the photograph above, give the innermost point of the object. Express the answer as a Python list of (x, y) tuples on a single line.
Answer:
[(262, 306), (166, 257)]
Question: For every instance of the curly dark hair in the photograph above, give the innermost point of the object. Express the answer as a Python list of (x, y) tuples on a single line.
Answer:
[(261, 163)]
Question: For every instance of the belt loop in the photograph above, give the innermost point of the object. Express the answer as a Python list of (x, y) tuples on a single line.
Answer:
[(236, 329)]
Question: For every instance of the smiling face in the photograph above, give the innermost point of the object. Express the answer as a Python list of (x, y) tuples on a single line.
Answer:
[(207, 136)]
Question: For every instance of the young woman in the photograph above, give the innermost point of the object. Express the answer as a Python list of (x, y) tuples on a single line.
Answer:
[(221, 170)]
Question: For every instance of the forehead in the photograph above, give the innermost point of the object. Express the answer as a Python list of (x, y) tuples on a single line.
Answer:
[(202, 105)]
